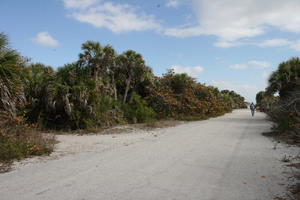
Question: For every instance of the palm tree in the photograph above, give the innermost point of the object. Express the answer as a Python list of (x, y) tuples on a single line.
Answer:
[(39, 91), (10, 74), (132, 66), (289, 73), (110, 62), (286, 78), (274, 83), (93, 57)]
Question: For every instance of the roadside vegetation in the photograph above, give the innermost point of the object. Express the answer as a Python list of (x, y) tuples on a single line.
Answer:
[(100, 89), (281, 100)]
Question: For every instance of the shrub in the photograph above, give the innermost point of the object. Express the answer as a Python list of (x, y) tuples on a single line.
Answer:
[(286, 116), (138, 111), (283, 109), (18, 140)]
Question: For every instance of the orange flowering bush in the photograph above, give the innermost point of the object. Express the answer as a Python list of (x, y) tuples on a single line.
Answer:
[(181, 97)]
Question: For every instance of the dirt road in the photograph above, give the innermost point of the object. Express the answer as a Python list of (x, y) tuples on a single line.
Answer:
[(224, 158)]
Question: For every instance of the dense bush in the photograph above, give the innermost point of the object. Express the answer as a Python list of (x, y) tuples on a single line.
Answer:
[(284, 109), (181, 97), (138, 110)]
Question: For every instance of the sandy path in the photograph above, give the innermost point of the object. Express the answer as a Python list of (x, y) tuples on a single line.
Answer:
[(224, 158)]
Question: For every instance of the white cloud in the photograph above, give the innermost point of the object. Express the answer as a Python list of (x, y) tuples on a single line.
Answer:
[(226, 44), (230, 85), (295, 45), (232, 20), (172, 3), (250, 64), (79, 4), (248, 91), (280, 42), (275, 42), (45, 39), (191, 71), (184, 32), (116, 17)]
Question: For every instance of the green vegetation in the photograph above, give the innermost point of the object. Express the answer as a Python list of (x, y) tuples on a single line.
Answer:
[(100, 89), (281, 100)]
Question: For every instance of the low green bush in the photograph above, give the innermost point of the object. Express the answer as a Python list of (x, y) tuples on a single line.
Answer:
[(138, 111)]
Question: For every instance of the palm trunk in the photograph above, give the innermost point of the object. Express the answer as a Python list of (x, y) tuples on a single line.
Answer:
[(126, 89), (114, 87), (95, 75), (130, 97)]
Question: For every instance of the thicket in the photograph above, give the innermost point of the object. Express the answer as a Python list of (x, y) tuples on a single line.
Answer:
[(281, 99), (102, 88)]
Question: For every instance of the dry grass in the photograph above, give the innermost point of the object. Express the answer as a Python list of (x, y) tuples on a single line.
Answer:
[(158, 124)]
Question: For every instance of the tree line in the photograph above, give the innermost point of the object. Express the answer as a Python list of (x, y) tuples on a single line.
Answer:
[(102, 88)]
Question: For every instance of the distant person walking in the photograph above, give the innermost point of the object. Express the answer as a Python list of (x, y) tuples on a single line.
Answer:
[(252, 108)]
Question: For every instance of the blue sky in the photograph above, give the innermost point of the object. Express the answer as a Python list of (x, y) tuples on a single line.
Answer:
[(230, 44)]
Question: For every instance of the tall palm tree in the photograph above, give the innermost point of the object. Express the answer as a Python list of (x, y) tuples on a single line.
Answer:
[(111, 66), (10, 72)]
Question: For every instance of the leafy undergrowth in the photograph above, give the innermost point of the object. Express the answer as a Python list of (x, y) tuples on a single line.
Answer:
[(18, 141)]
